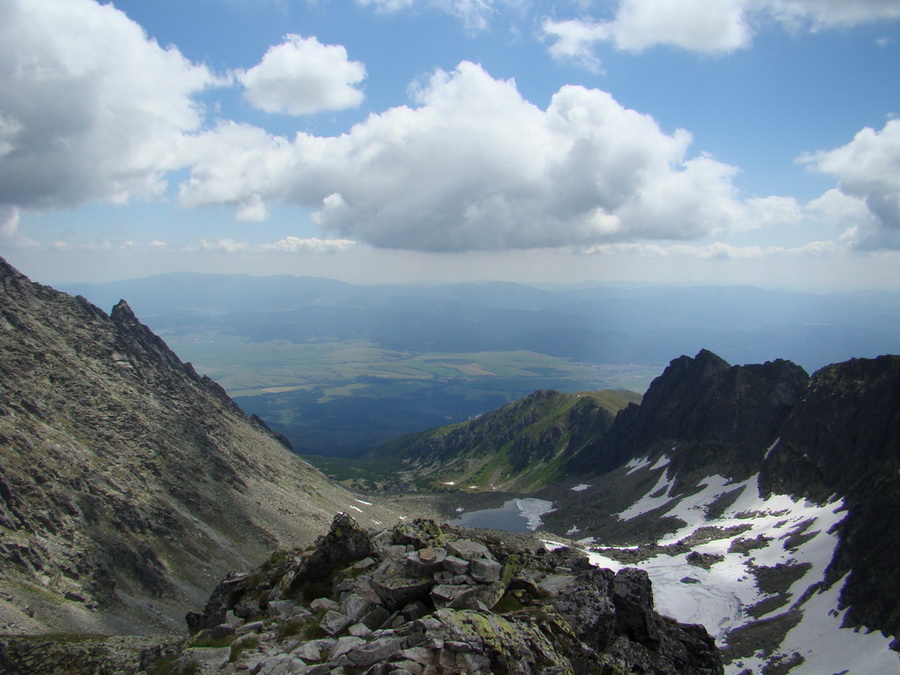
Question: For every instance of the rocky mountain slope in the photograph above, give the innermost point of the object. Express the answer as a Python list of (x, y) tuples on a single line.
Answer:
[(762, 503), (522, 446), (422, 598), (128, 483)]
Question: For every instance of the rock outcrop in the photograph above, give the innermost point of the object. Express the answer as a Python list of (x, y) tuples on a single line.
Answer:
[(427, 599), (128, 482), (843, 438), (720, 417)]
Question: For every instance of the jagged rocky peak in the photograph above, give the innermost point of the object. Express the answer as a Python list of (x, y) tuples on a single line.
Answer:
[(702, 397), (708, 415), (429, 599)]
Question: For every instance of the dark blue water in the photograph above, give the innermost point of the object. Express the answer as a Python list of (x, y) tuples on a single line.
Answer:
[(516, 515)]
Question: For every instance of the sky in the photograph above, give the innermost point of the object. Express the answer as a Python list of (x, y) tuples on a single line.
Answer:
[(657, 141)]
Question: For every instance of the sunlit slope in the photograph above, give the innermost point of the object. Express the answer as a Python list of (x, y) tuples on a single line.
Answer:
[(521, 447)]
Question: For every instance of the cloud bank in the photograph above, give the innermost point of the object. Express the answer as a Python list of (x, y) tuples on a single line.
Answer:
[(90, 108), (709, 26), (97, 111), (475, 166)]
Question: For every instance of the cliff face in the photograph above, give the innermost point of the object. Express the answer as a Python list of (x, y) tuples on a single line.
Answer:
[(128, 483), (843, 438), (832, 439), (721, 417)]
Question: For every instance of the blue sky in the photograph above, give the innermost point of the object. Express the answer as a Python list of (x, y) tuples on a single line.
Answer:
[(688, 141)]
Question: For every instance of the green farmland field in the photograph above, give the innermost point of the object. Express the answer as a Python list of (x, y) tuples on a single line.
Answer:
[(345, 397)]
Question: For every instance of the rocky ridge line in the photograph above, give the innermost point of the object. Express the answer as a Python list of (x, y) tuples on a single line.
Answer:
[(423, 599)]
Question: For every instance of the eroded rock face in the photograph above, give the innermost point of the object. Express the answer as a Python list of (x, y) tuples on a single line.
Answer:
[(720, 417), (843, 438), (427, 599)]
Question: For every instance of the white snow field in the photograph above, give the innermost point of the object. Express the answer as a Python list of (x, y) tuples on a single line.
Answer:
[(791, 540), (532, 509)]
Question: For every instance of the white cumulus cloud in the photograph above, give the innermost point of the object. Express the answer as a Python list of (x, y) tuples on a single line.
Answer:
[(701, 25), (9, 229), (868, 173), (711, 26), (308, 245), (574, 40), (302, 76), (90, 108), (473, 165)]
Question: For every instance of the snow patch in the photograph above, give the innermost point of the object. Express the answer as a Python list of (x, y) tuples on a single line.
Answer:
[(600, 560), (532, 509), (649, 502), (635, 464), (661, 462), (580, 488), (828, 648), (750, 534), (692, 510), (363, 502)]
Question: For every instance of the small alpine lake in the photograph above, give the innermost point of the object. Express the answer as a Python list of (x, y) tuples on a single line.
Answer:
[(516, 515)]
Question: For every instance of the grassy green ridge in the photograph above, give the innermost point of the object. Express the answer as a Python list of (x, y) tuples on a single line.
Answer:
[(522, 446)]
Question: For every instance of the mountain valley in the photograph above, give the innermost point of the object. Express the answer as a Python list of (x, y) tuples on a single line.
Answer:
[(733, 518), (341, 368)]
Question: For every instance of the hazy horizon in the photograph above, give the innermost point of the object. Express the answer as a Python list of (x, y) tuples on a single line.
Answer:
[(752, 142)]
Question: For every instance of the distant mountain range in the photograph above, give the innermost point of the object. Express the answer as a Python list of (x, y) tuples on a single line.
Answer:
[(594, 324), (339, 369)]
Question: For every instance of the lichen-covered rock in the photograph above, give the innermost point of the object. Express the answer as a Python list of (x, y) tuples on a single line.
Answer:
[(429, 599)]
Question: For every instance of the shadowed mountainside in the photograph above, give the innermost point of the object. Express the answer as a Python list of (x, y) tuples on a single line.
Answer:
[(709, 435)]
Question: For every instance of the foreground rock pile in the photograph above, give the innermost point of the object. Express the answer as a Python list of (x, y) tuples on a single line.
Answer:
[(427, 599)]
